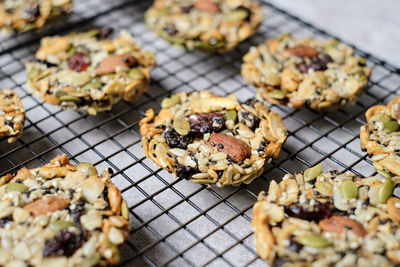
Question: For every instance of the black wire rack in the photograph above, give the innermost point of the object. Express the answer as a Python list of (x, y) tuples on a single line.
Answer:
[(175, 222)]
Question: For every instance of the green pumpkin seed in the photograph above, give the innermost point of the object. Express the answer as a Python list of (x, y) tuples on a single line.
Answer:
[(92, 85), (385, 174), (136, 74), (170, 101), (59, 225), (71, 52), (239, 14), (386, 191), (277, 94), (324, 188), (124, 210), (349, 189), (208, 47), (92, 33), (230, 115), (16, 187), (181, 126), (391, 126), (312, 173), (314, 241), (361, 77), (70, 98), (247, 163), (87, 169), (33, 73), (382, 117)]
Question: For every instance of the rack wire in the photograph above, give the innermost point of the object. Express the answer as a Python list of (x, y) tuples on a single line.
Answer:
[(175, 222)]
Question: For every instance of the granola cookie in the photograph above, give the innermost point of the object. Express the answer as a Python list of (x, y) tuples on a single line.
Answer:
[(61, 215), (209, 139), (24, 15), (328, 219), (323, 75), (380, 136), (12, 115), (89, 71), (210, 25)]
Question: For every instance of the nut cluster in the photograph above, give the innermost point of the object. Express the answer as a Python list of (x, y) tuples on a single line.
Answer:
[(12, 115)]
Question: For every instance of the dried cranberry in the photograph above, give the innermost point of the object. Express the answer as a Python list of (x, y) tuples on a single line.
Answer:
[(5, 220), (248, 118), (318, 63), (316, 212), (205, 123), (105, 33), (176, 140), (79, 61), (78, 211), (170, 30), (184, 172), (65, 243), (186, 9)]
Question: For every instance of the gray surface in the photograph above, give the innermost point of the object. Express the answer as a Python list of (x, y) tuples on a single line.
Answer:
[(171, 217), (372, 25)]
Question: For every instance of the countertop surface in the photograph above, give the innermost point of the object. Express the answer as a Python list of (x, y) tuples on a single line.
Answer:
[(371, 25)]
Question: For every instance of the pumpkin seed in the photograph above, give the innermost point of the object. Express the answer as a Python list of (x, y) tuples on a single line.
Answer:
[(124, 210), (16, 187), (70, 98), (385, 174), (181, 126), (230, 115), (391, 126), (277, 94), (136, 74), (92, 33), (324, 188), (170, 101), (386, 191), (361, 77), (92, 85), (247, 163), (312, 173), (59, 225), (382, 117), (349, 189), (239, 14), (33, 73), (71, 52), (314, 241), (206, 46), (87, 169)]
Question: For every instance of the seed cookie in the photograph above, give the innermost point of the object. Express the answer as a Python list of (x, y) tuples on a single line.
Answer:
[(89, 71), (12, 115), (209, 139), (380, 137), (328, 219), (23, 15), (210, 25), (61, 215), (323, 75)]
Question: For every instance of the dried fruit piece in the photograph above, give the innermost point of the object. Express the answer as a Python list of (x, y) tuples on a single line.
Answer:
[(181, 126), (316, 212), (302, 51), (65, 243), (336, 224), (170, 101), (234, 147), (312, 173), (349, 189), (173, 139), (386, 191), (314, 241), (205, 123), (79, 62)]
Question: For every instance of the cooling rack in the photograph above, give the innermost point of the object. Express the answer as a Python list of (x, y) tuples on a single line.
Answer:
[(175, 222)]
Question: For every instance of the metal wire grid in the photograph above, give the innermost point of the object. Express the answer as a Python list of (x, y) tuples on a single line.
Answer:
[(175, 222)]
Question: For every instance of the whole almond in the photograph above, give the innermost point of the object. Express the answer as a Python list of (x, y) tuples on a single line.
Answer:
[(109, 64), (234, 147), (302, 51), (206, 5), (47, 204), (335, 224)]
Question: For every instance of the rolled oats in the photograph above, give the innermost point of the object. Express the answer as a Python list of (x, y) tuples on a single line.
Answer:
[(22, 15), (217, 148), (12, 115), (60, 219), (379, 138), (324, 75), (89, 71), (312, 224), (210, 25)]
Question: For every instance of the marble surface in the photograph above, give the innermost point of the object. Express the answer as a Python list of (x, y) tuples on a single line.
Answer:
[(371, 25)]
